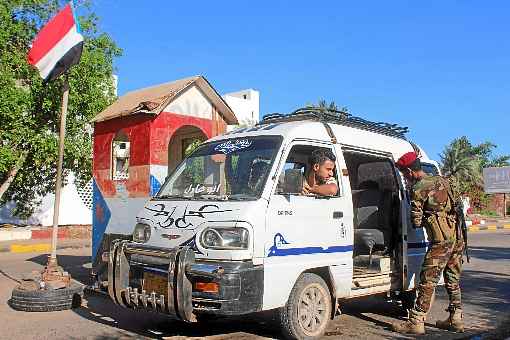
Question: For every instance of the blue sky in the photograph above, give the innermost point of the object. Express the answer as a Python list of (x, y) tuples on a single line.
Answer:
[(442, 68)]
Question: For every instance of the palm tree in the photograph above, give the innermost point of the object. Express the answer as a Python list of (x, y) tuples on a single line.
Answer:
[(497, 162), (460, 162), (323, 105)]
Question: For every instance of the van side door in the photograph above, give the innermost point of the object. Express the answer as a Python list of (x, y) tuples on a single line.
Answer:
[(306, 231), (413, 240)]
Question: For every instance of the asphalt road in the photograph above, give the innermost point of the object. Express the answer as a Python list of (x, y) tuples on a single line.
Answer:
[(486, 295)]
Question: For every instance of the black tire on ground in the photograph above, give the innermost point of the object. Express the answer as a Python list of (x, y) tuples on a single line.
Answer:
[(46, 300), (308, 310)]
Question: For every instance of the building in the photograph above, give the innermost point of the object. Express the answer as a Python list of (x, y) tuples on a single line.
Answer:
[(141, 138), (245, 104)]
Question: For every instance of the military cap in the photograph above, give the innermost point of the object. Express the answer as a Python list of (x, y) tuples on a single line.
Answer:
[(409, 160)]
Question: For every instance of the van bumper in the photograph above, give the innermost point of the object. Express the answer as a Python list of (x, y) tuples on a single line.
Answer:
[(165, 280)]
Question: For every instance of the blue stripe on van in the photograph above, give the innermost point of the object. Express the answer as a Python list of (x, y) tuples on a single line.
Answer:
[(273, 251), (418, 245)]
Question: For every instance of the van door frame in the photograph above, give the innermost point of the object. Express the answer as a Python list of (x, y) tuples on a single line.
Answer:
[(405, 220), (404, 207)]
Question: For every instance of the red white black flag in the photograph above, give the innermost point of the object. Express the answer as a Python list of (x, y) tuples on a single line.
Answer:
[(58, 45)]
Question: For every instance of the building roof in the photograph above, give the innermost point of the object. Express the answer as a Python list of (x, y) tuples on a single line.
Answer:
[(154, 99)]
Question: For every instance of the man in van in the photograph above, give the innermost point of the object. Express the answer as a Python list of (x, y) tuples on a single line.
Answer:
[(320, 179), (432, 207)]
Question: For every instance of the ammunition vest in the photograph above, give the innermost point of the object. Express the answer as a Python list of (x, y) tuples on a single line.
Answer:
[(441, 224)]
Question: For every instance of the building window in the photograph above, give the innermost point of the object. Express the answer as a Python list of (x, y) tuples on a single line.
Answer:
[(120, 156)]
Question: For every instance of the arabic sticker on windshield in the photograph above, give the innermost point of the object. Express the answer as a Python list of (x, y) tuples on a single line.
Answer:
[(231, 146)]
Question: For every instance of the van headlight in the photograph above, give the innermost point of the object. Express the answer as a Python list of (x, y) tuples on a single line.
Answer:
[(142, 233), (225, 238)]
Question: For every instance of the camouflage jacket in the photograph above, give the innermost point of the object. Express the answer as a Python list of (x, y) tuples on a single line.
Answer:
[(432, 207)]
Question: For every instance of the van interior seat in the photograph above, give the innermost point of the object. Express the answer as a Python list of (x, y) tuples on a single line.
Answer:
[(372, 229)]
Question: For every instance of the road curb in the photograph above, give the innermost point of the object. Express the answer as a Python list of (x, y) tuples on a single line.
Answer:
[(42, 233), (488, 227), (37, 248)]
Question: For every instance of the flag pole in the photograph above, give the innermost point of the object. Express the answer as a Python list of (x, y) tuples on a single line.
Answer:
[(53, 40), (52, 261)]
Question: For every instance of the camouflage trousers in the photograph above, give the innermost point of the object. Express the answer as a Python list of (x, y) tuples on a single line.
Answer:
[(444, 257)]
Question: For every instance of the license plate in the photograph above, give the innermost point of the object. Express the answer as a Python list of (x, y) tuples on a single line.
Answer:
[(155, 283)]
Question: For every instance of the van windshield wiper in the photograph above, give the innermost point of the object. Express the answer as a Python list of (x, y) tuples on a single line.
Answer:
[(188, 198), (225, 197), (215, 197), (241, 197)]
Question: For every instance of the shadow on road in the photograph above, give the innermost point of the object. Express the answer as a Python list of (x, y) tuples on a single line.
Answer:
[(490, 253), (100, 309), (488, 292)]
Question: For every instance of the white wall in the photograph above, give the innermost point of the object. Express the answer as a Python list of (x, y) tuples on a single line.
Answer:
[(245, 105), (191, 103), (73, 210)]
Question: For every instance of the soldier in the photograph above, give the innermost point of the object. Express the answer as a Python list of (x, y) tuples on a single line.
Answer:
[(432, 207)]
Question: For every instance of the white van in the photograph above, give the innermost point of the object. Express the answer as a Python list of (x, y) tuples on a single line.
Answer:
[(229, 232)]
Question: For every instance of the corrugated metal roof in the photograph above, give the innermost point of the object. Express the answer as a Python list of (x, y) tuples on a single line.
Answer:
[(154, 99)]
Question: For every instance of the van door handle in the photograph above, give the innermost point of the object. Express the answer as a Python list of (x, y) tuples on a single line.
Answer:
[(338, 214)]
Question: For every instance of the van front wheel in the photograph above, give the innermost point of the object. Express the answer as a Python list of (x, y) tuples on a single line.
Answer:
[(307, 312)]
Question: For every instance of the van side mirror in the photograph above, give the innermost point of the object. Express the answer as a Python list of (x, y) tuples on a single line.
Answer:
[(293, 181)]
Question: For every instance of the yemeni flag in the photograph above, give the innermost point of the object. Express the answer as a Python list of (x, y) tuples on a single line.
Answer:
[(58, 45)]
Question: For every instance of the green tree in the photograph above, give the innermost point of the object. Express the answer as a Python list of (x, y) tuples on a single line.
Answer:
[(460, 161), (464, 162), (30, 110)]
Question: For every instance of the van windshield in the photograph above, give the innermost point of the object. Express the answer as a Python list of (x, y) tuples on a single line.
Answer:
[(230, 169)]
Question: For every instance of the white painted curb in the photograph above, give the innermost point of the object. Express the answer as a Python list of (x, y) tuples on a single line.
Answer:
[(10, 235)]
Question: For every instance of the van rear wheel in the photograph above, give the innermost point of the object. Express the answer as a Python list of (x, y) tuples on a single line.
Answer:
[(307, 312)]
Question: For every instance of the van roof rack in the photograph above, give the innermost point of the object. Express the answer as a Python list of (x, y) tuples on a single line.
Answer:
[(327, 115)]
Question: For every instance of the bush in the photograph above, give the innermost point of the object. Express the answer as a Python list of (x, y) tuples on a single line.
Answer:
[(490, 213)]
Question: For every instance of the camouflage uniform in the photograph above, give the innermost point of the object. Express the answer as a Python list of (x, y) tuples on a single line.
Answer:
[(432, 208)]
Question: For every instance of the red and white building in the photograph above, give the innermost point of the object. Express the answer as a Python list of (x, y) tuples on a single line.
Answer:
[(141, 138)]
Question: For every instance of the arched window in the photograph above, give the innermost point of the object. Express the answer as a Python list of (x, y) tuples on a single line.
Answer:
[(120, 156), (182, 143)]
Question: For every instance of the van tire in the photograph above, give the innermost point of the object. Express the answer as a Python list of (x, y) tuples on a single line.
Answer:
[(309, 287)]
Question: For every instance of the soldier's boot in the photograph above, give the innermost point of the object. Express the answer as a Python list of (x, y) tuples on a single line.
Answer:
[(414, 325), (454, 322)]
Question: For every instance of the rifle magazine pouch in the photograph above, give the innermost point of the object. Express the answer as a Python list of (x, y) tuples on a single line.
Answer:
[(440, 227), (433, 230)]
